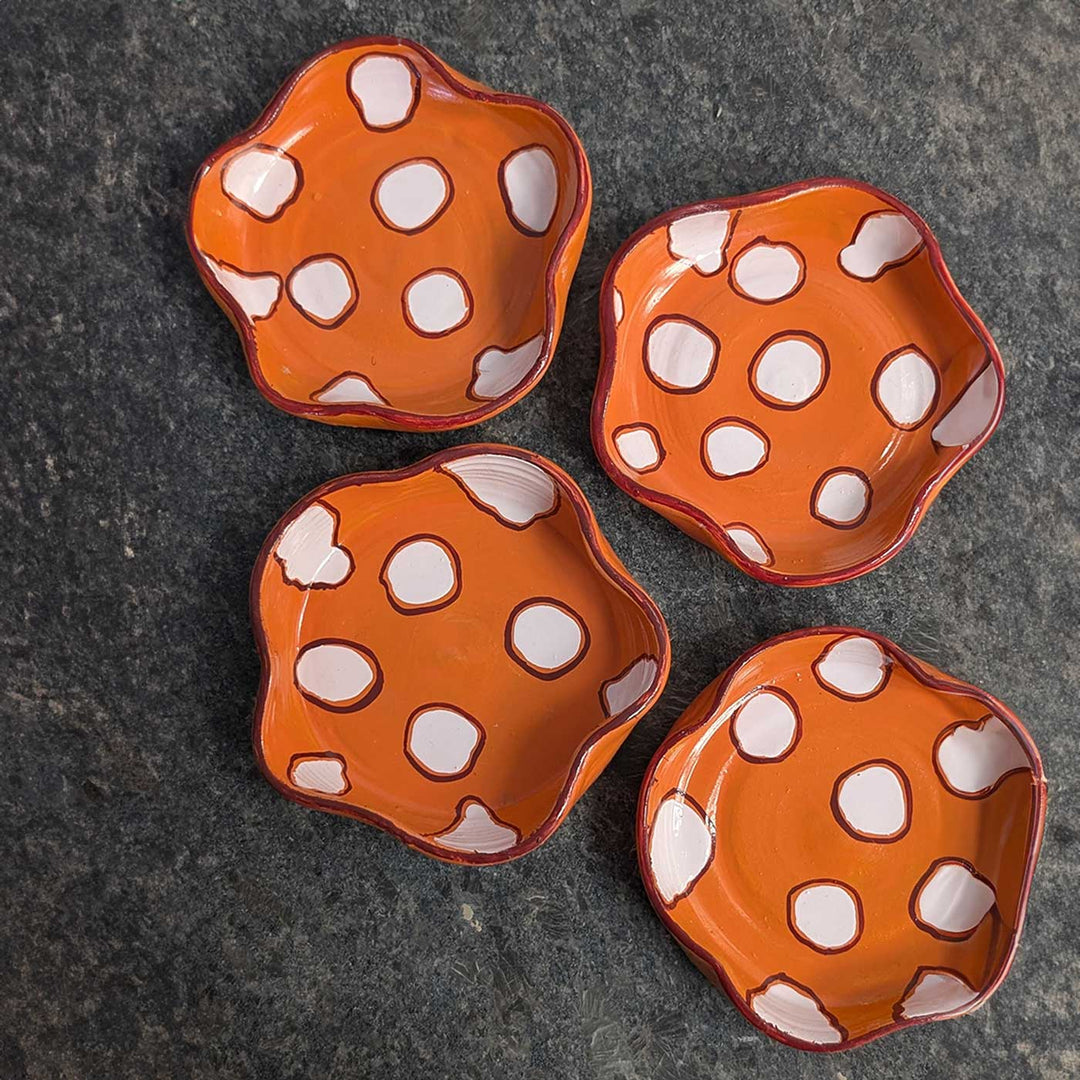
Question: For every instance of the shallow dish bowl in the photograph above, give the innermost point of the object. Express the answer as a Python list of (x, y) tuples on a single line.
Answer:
[(450, 651), (791, 376), (393, 241), (843, 837)]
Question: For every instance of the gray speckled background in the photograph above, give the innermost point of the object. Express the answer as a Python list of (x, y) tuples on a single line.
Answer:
[(165, 913)]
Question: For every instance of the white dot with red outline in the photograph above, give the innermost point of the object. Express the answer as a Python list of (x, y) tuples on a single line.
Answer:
[(262, 179)]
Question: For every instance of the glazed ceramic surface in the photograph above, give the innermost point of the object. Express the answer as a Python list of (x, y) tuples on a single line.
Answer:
[(450, 651), (843, 837), (791, 377), (393, 241)]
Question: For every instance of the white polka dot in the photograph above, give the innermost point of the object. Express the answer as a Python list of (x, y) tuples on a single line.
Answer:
[(733, 448), (621, 692), (323, 288), (411, 195), (530, 186), (337, 674), (701, 239), (767, 272), (324, 774), (349, 389), (842, 498), (639, 447), (437, 302), (795, 1013), (749, 544), (880, 240), (421, 574), (514, 490), (478, 831), (498, 371), (789, 370), (971, 414), (765, 727), (680, 354), (262, 179), (308, 553), (873, 803), (952, 900), (545, 637), (906, 387), (442, 740), (617, 305), (680, 847), (936, 993), (972, 758), (853, 666), (257, 294), (825, 915), (385, 89)]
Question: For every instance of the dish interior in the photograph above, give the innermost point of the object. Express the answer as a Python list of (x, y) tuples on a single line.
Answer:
[(779, 825), (794, 382), (416, 350), (531, 695)]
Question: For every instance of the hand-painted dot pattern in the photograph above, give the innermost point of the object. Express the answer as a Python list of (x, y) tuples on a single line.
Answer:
[(410, 196), (767, 272), (825, 914), (732, 447), (385, 90), (529, 180), (324, 290), (437, 302), (422, 573), (385, 179), (262, 180), (640, 447), (546, 637), (817, 321), (416, 667), (443, 742), (777, 760)]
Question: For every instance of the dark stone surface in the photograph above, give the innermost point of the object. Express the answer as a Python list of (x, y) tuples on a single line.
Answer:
[(166, 914)]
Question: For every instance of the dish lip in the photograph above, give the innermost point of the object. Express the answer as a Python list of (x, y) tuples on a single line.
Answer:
[(930, 678), (717, 536), (612, 570), (401, 419)]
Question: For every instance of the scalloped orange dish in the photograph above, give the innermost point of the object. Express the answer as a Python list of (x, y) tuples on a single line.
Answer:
[(451, 651), (394, 242), (791, 377), (843, 837)]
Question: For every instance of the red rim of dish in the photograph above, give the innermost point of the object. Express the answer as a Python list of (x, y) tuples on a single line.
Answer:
[(403, 419), (608, 566), (713, 530), (929, 677)]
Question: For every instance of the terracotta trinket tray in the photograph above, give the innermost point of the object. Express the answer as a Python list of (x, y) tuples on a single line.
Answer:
[(843, 837), (791, 377), (393, 241), (451, 651)]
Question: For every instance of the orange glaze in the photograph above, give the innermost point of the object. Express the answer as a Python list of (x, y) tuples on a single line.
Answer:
[(776, 827), (532, 740), (855, 320), (320, 191)]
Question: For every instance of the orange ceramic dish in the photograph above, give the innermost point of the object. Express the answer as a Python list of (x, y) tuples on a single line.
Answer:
[(393, 241), (450, 651), (843, 837), (791, 377)]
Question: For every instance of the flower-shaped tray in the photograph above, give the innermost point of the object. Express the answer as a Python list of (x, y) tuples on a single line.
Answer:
[(843, 837), (791, 377), (393, 241), (450, 651)]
